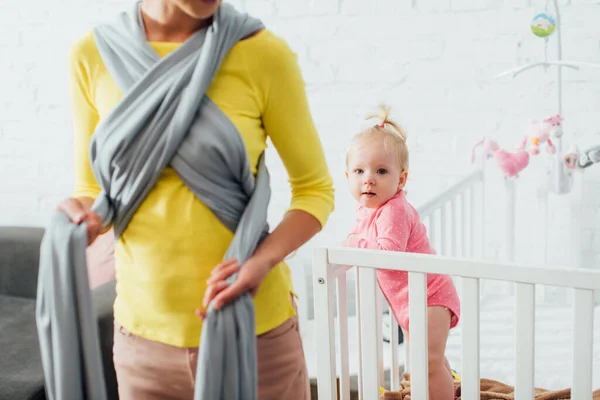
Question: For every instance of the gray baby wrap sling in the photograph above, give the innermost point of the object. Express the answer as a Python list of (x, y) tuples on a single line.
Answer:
[(164, 118)]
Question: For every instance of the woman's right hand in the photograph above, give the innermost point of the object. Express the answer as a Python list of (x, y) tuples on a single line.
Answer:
[(78, 210)]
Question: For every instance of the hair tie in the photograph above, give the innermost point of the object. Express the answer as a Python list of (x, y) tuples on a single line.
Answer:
[(382, 124)]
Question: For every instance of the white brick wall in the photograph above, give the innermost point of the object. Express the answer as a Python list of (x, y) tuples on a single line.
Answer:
[(434, 61)]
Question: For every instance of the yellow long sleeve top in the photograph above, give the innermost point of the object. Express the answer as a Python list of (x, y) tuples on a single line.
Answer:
[(169, 248)]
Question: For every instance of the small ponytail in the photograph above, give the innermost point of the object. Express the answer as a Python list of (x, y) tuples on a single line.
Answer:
[(383, 117), (391, 135)]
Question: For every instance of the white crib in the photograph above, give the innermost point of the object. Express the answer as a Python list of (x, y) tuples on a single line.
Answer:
[(455, 221)]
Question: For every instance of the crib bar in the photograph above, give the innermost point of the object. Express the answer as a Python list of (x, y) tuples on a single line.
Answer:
[(406, 359), (434, 264), (394, 370), (525, 336), (543, 222), (472, 228), (339, 270), (464, 225), (323, 295), (470, 339), (482, 216), (357, 327), (576, 220), (510, 219), (453, 227), (433, 229), (343, 329), (433, 204), (417, 302), (370, 332), (583, 332), (444, 230), (379, 315)]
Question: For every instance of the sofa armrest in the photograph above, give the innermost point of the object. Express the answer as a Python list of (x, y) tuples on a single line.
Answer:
[(19, 260)]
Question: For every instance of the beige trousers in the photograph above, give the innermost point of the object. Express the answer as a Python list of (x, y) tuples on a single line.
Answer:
[(148, 370)]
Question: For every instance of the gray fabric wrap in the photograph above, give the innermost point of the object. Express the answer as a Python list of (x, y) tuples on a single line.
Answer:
[(164, 118)]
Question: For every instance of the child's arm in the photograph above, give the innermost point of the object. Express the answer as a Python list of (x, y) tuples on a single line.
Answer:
[(393, 230)]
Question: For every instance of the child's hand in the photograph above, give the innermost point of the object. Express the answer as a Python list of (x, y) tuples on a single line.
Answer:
[(352, 239)]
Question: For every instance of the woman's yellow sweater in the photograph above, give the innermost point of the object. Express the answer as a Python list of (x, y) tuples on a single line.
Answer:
[(168, 250)]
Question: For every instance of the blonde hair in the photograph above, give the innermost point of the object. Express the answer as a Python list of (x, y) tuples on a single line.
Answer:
[(386, 130)]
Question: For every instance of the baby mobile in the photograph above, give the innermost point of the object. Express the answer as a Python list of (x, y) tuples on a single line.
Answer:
[(546, 133)]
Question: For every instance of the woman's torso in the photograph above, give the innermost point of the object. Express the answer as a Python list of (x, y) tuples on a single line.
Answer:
[(173, 241)]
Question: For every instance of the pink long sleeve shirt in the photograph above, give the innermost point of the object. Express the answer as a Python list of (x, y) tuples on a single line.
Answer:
[(396, 226)]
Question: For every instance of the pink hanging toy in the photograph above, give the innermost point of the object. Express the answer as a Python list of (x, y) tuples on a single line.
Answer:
[(509, 163), (539, 132)]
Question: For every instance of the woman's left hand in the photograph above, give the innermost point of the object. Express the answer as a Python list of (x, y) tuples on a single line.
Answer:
[(249, 279)]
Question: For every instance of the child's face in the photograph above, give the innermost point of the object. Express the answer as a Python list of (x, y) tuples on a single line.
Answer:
[(373, 175)]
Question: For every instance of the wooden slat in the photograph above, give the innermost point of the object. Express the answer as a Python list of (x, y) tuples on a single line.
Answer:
[(470, 383), (464, 226), (433, 227), (454, 227), (444, 231), (379, 314), (510, 218), (472, 221), (583, 335), (435, 203), (434, 264), (417, 301), (343, 330), (394, 370), (525, 341), (369, 331), (482, 225), (324, 296), (357, 327)]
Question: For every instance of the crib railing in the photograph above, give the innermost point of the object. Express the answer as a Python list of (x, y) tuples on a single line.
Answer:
[(330, 266), (455, 217)]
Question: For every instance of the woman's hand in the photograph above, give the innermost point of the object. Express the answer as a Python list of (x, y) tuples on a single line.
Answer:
[(78, 210), (295, 229), (249, 279)]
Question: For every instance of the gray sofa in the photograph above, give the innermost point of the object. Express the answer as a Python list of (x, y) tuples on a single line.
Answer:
[(21, 374)]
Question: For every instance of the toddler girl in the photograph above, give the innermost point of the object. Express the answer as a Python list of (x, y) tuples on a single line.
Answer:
[(377, 169)]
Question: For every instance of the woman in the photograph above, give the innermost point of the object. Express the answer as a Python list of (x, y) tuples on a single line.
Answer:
[(165, 259)]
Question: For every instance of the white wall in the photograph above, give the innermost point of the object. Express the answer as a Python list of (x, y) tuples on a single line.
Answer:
[(434, 61)]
